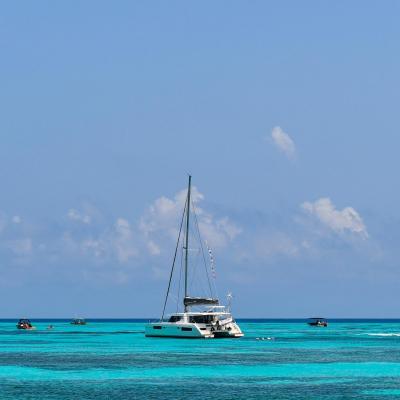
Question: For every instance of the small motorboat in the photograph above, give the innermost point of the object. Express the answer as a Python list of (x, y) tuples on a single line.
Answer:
[(318, 321), (25, 324), (78, 321)]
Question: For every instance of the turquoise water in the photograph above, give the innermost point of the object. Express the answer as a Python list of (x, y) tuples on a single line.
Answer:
[(113, 360)]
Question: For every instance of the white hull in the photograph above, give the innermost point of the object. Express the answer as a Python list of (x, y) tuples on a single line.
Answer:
[(192, 330), (168, 329)]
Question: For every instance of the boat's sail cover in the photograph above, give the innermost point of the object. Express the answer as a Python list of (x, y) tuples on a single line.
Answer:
[(196, 301)]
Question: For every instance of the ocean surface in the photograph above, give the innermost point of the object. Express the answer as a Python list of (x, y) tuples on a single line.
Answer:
[(277, 359)]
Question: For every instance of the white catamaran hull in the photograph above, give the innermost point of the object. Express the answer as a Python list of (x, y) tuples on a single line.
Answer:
[(166, 329), (190, 330)]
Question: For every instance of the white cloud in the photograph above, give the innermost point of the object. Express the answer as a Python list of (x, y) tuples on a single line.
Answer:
[(228, 227), (123, 241), (116, 242), (217, 232), (96, 247), (77, 216), (16, 219), (339, 221), (163, 216), (283, 141), (164, 213), (153, 248)]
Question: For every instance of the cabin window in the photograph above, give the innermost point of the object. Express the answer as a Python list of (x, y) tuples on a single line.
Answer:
[(201, 319), (157, 327), (186, 329), (174, 318)]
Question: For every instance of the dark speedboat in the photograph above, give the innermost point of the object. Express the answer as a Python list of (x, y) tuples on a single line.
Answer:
[(318, 321), (78, 321), (25, 324)]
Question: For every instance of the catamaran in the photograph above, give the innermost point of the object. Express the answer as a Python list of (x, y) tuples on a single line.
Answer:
[(212, 320)]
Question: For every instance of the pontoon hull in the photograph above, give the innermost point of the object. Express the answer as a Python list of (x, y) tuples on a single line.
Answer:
[(188, 330), (166, 329)]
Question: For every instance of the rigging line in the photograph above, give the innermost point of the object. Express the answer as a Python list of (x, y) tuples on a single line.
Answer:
[(195, 259), (198, 259), (194, 268), (173, 262), (201, 282), (195, 251), (202, 249), (179, 284)]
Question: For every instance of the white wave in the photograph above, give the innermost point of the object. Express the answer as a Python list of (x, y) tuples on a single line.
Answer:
[(384, 334)]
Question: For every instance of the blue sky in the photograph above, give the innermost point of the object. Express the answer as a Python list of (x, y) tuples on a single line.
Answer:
[(286, 114)]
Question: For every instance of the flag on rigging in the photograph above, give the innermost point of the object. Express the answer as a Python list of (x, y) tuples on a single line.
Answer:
[(212, 263)]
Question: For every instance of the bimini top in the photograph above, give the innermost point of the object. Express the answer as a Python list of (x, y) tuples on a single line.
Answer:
[(197, 301)]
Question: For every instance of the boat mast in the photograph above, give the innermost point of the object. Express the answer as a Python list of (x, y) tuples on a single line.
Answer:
[(187, 239)]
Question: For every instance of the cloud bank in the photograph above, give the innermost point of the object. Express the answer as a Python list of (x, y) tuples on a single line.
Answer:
[(93, 246), (162, 217)]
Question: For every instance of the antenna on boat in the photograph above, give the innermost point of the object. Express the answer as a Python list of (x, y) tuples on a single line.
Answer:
[(187, 237)]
